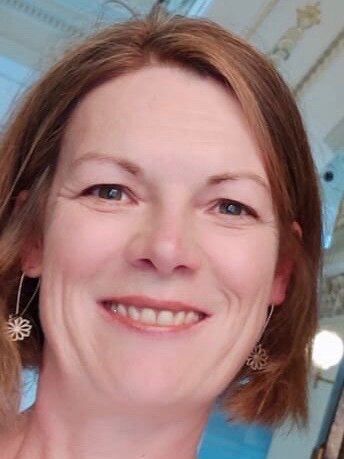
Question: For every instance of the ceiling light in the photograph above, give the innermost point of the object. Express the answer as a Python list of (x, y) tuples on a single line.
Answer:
[(328, 349)]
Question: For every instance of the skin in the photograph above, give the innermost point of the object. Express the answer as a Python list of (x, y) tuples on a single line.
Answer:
[(108, 390)]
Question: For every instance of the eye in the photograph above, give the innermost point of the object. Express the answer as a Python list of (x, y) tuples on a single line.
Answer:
[(109, 192), (235, 208)]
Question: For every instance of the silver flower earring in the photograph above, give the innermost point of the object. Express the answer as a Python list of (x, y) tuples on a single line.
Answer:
[(17, 327), (258, 358)]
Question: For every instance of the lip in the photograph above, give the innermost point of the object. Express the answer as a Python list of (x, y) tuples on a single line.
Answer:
[(153, 303)]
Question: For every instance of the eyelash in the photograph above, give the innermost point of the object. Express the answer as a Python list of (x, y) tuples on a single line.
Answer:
[(222, 204), (92, 191), (225, 203)]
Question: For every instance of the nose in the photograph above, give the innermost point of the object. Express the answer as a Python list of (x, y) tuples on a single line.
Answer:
[(165, 244)]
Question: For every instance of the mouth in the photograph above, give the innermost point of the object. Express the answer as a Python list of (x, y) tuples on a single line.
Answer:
[(143, 313)]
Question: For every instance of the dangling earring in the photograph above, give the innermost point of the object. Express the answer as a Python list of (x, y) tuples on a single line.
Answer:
[(258, 358), (17, 327)]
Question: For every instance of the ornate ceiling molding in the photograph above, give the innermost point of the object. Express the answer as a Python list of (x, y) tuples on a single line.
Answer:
[(42, 15), (307, 17), (331, 52), (46, 17), (193, 7), (340, 219), (332, 297), (260, 18)]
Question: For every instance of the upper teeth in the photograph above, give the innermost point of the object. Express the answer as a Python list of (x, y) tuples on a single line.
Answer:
[(156, 317)]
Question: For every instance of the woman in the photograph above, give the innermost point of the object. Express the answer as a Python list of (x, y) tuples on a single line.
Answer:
[(159, 183)]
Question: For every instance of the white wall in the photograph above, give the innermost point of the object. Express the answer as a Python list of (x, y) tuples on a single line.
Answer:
[(298, 444), (14, 78)]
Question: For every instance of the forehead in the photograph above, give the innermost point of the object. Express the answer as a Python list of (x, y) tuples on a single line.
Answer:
[(163, 114)]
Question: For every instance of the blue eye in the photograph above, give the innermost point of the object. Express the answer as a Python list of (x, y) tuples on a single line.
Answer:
[(109, 192), (234, 208)]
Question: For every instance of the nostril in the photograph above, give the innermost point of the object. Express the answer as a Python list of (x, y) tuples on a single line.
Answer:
[(159, 252), (164, 267), (145, 263)]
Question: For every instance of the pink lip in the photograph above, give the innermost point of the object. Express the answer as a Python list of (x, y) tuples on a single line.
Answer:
[(146, 302)]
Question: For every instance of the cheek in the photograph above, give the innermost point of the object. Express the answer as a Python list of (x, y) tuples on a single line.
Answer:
[(244, 259), (80, 243)]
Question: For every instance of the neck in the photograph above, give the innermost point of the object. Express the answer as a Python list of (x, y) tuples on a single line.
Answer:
[(70, 428)]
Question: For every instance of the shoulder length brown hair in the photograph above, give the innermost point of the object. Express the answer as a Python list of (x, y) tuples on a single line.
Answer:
[(30, 149)]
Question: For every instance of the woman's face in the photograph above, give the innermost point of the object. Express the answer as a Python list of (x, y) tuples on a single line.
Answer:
[(160, 243)]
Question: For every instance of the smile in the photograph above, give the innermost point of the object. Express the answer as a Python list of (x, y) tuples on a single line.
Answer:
[(160, 315), (153, 317)]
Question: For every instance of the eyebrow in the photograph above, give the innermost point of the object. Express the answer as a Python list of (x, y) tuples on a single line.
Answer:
[(135, 170), (227, 177), (123, 163)]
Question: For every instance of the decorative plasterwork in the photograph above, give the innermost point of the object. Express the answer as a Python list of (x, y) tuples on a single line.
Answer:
[(321, 64), (332, 297), (340, 219), (114, 8), (307, 17), (187, 6), (120, 9), (260, 18), (42, 15)]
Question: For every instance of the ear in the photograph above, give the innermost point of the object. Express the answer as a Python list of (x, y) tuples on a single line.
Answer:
[(31, 258), (283, 272), (31, 255), (281, 282)]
